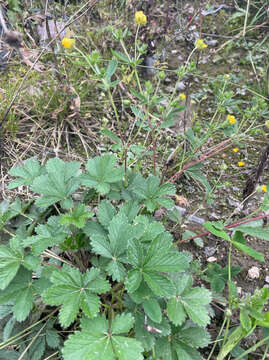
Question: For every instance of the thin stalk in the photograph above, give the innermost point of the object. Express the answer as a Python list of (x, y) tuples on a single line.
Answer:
[(11, 340), (30, 343), (135, 67), (114, 109), (253, 348), (216, 341)]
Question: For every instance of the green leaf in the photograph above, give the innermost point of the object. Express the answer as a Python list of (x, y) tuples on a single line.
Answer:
[(161, 257), (26, 173), (182, 344), (175, 311), (74, 290), (153, 310), (101, 172), (245, 320), (196, 174), (106, 212), (194, 301), (77, 217), (154, 195), (97, 341), (21, 292), (256, 230), (112, 67), (159, 284), (10, 262), (217, 228), (111, 136), (114, 247), (121, 56), (60, 182), (133, 280), (53, 233), (249, 251)]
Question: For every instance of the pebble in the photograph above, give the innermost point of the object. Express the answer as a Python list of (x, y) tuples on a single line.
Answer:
[(254, 272)]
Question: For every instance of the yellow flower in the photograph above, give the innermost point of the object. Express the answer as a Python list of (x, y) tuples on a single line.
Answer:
[(231, 119), (264, 188), (140, 18), (241, 163), (68, 43), (235, 149), (182, 96), (200, 45), (267, 123)]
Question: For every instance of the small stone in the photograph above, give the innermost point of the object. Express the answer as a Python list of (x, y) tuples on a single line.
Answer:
[(211, 259), (267, 279), (254, 272)]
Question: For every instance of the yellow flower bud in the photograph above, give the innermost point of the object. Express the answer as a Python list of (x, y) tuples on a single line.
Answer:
[(200, 45), (182, 96), (235, 150), (68, 43), (264, 188), (140, 18), (241, 163), (231, 119)]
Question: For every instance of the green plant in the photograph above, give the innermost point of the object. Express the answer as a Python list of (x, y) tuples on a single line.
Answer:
[(109, 267)]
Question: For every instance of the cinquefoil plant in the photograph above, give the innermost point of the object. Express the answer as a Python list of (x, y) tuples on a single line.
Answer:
[(89, 247)]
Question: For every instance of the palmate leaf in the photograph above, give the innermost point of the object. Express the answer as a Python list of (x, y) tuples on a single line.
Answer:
[(97, 341), (74, 290), (53, 233), (10, 261), (60, 182), (101, 172), (155, 195), (114, 246), (26, 173), (188, 301), (21, 291), (149, 262), (77, 217), (182, 344)]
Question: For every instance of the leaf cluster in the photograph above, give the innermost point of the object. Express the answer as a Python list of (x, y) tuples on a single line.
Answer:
[(106, 266)]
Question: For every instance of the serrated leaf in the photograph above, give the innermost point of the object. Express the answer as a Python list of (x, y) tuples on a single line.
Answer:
[(193, 300), (159, 284), (122, 323), (154, 194), (53, 233), (10, 262), (130, 210), (97, 342), (115, 246), (23, 303), (74, 290), (146, 338), (153, 310), (133, 280), (101, 172), (194, 335), (20, 291), (77, 217), (60, 182), (26, 173), (256, 230), (175, 311), (52, 338), (161, 257), (106, 212)]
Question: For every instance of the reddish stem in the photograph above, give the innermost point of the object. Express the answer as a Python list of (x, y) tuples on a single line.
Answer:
[(227, 227)]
